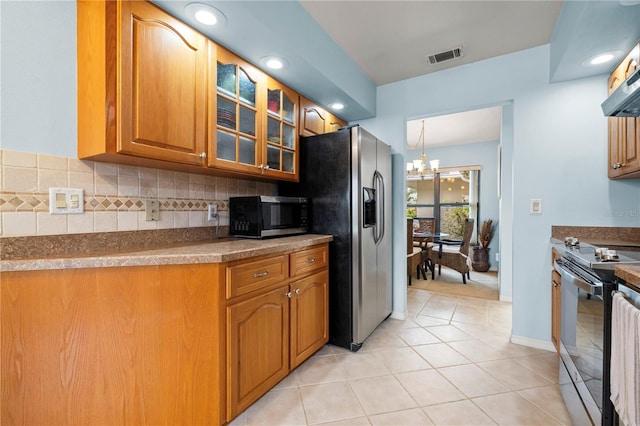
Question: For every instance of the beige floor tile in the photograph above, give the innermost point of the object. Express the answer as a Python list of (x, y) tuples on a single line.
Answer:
[(413, 417), (425, 320), (362, 364), (394, 324), (512, 350), (444, 314), (440, 355), (476, 351), (358, 421), (512, 409), (417, 336), (448, 333), (462, 413), (400, 360), (549, 400), (323, 369), (382, 395), (429, 387), (288, 382), (240, 420), (545, 365), (326, 350), (511, 374), (277, 407), (471, 314), (382, 339), (478, 331), (472, 380), (330, 402)]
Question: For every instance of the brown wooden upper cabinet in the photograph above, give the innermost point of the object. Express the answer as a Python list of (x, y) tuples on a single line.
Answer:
[(624, 132), (236, 119), (141, 84), (314, 120), (280, 151)]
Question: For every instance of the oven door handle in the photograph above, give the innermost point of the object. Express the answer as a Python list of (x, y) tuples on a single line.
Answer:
[(592, 289)]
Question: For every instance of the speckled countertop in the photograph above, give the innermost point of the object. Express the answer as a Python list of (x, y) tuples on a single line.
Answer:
[(629, 273), (217, 251)]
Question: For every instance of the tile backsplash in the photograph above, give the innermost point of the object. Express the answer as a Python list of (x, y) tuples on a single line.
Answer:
[(114, 195)]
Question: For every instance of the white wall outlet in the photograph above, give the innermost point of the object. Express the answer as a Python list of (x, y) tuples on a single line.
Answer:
[(152, 210), (212, 212), (535, 206), (66, 201)]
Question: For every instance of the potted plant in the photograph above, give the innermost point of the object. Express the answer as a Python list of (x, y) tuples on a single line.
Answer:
[(480, 261)]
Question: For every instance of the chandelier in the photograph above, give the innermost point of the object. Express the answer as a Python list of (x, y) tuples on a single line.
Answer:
[(417, 169)]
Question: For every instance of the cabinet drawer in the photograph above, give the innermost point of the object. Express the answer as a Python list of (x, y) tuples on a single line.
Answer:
[(247, 277), (309, 260)]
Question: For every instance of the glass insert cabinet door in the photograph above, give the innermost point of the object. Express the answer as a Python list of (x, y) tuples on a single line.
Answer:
[(281, 132), (235, 143)]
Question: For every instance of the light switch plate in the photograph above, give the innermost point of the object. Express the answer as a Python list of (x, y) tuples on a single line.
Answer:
[(536, 206), (66, 201)]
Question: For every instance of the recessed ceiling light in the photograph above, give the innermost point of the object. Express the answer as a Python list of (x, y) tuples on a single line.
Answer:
[(205, 14), (601, 59), (273, 62), (337, 106)]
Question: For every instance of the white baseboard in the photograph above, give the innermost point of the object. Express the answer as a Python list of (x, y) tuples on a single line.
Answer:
[(399, 315), (533, 343), (504, 298)]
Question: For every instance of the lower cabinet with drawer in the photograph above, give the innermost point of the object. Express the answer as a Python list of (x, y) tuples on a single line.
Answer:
[(277, 317), (157, 344)]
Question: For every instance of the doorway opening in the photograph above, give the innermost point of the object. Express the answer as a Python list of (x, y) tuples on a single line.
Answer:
[(464, 184)]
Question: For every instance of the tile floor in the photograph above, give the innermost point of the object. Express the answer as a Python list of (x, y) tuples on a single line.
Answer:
[(449, 363)]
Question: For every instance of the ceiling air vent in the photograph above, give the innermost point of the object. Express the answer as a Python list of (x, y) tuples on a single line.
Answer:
[(447, 55)]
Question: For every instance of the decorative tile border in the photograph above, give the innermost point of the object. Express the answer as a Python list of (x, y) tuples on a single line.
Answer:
[(39, 202)]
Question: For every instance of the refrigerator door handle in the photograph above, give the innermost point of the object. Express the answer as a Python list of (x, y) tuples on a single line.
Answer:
[(379, 185)]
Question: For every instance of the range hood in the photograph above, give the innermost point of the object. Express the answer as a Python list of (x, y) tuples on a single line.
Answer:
[(625, 100)]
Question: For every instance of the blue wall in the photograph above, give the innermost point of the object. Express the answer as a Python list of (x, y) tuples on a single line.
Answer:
[(554, 140)]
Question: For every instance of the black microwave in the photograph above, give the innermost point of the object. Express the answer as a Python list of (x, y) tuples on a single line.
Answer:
[(267, 216)]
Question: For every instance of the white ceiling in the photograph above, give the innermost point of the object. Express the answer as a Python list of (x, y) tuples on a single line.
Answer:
[(480, 125), (390, 40)]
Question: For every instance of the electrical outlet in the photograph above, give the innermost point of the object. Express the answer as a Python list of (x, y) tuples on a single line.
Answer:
[(152, 210), (212, 212)]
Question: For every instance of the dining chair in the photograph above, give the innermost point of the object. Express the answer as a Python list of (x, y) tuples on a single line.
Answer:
[(453, 254)]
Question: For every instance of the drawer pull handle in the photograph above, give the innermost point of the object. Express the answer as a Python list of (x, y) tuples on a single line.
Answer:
[(311, 259), (261, 274)]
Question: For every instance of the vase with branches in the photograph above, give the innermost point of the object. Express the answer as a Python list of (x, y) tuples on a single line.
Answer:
[(480, 261), (486, 233)]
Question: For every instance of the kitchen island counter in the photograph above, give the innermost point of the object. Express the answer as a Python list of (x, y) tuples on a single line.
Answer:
[(215, 251)]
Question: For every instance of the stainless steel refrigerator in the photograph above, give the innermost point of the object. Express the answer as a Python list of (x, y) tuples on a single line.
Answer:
[(347, 177)]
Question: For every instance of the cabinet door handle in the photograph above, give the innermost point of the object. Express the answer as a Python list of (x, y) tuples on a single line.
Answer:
[(297, 291), (617, 166), (555, 284), (288, 295), (260, 167), (311, 259), (203, 155), (261, 274)]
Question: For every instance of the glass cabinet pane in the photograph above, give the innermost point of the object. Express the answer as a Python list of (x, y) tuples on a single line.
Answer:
[(247, 151), (287, 161), (247, 121), (273, 157), (247, 89), (226, 113), (287, 136), (273, 101), (287, 109), (273, 131), (227, 79), (226, 146)]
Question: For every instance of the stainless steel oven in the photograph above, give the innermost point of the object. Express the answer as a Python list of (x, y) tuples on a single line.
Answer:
[(587, 281)]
